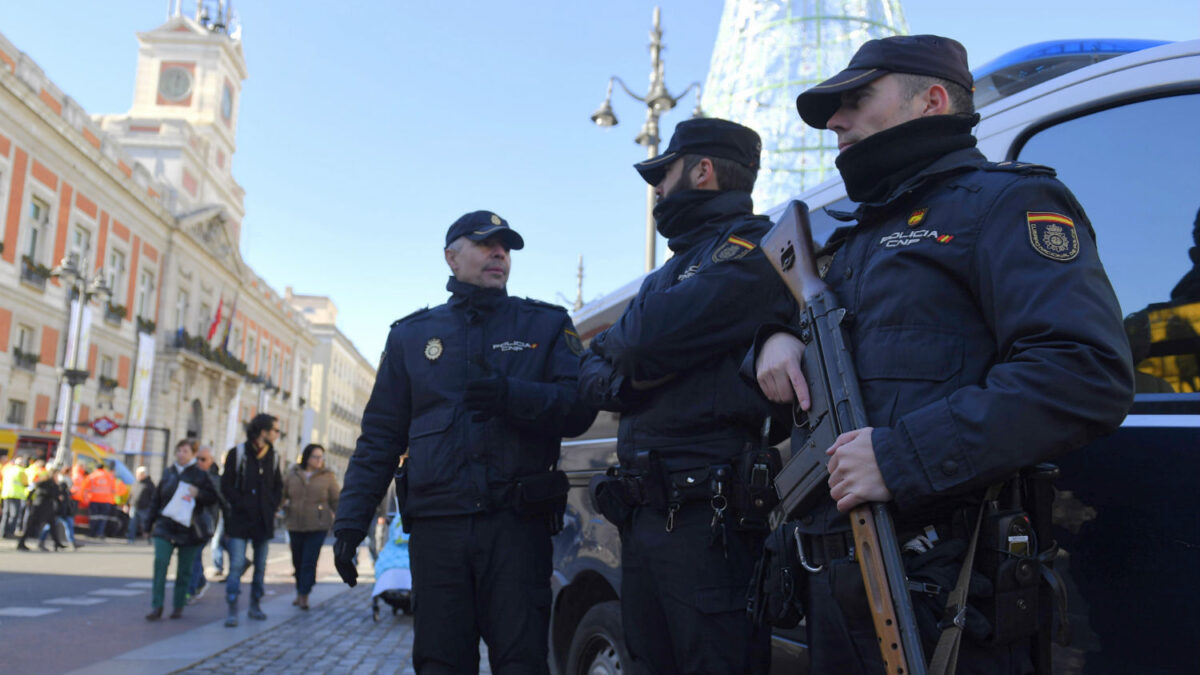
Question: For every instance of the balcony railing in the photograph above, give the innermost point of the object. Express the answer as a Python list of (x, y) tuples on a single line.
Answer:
[(114, 314), (25, 360), (145, 325), (198, 345), (107, 384), (34, 273)]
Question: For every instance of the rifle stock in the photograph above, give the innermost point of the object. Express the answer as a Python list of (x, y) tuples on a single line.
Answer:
[(837, 407)]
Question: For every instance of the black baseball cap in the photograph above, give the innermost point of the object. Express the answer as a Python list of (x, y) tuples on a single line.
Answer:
[(481, 225), (706, 136), (930, 55)]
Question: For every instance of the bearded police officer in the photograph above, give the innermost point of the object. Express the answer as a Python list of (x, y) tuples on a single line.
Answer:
[(480, 391), (990, 340), (689, 423)]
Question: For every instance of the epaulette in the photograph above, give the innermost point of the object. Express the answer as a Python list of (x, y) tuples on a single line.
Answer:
[(547, 305), (417, 313), (1024, 168)]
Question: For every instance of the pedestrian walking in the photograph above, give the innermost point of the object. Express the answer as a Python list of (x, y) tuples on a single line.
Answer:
[(64, 516), (175, 527), (310, 498), (100, 489), (143, 494), (43, 502), (13, 493), (199, 584), (253, 487)]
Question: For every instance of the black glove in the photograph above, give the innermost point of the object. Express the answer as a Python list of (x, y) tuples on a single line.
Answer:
[(486, 395), (344, 547)]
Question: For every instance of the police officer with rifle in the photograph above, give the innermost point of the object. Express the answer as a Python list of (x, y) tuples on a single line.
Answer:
[(480, 392), (986, 338)]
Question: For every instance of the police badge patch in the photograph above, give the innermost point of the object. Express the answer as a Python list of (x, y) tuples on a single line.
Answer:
[(1052, 235), (433, 349), (573, 342), (733, 249), (916, 217)]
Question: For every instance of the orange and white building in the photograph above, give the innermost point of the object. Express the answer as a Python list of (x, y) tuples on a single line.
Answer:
[(147, 199)]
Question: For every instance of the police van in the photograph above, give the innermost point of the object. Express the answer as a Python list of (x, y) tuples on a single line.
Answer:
[(1120, 122)]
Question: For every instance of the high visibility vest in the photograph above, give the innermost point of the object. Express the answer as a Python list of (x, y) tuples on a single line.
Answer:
[(13, 488), (100, 488), (122, 493)]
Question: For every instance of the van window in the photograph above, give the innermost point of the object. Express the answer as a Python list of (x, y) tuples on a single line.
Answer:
[(1136, 168)]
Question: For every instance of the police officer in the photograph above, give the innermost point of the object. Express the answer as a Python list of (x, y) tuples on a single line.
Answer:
[(669, 365), (480, 390), (986, 336)]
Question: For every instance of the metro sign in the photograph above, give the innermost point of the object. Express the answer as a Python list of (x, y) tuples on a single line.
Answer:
[(104, 425)]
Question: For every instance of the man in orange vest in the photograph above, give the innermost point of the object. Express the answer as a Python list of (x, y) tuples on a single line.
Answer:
[(100, 489)]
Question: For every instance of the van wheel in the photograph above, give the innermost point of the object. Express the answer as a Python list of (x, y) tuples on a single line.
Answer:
[(598, 647)]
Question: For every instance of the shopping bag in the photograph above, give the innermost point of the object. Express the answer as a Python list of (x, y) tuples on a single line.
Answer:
[(182, 504)]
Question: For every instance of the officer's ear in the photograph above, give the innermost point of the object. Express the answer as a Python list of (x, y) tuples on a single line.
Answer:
[(451, 259), (704, 175), (935, 101)]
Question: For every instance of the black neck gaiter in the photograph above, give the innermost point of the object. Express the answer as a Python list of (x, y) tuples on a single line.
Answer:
[(672, 215), (875, 166)]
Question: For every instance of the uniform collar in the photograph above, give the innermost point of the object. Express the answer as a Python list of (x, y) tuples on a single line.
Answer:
[(706, 219)]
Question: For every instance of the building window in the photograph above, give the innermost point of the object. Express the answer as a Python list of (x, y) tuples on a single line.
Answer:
[(145, 295), (204, 320), (39, 227), (116, 275), (16, 412), (106, 366), (181, 310), (81, 245), (264, 360)]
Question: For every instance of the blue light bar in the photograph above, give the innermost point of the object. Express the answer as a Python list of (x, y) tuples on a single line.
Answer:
[(1033, 64)]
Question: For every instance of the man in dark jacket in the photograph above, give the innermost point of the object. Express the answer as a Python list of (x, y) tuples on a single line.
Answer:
[(480, 391), (985, 333), (43, 501), (688, 421), (208, 523), (143, 495), (253, 487)]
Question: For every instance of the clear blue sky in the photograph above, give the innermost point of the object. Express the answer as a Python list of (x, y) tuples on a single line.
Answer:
[(366, 128)]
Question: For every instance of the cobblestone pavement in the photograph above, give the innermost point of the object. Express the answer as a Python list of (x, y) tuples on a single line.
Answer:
[(337, 636)]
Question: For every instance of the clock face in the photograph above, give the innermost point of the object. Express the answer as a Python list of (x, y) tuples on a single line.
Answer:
[(174, 83), (226, 103)]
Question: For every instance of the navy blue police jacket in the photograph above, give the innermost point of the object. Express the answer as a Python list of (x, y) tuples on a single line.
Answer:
[(692, 320), (460, 462), (985, 332)]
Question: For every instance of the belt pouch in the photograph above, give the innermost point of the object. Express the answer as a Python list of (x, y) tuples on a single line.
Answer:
[(541, 493)]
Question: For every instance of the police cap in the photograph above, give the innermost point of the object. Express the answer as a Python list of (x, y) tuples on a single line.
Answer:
[(481, 225), (710, 137), (929, 55)]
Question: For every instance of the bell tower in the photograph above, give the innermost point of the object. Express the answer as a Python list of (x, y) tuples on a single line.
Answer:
[(182, 126)]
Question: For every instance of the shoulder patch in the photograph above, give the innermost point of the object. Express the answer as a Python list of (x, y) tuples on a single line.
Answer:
[(1025, 168), (732, 248), (1052, 235), (573, 342), (415, 314), (547, 305)]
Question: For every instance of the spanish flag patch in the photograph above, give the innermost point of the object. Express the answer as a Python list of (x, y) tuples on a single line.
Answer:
[(732, 249), (1052, 235), (916, 217)]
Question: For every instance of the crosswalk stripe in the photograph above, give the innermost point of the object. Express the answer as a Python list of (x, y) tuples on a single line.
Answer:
[(28, 611), (118, 592), (75, 601)]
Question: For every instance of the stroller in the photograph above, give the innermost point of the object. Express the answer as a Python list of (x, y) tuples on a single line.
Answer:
[(393, 580)]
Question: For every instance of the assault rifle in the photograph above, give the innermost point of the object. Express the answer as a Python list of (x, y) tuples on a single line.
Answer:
[(837, 407)]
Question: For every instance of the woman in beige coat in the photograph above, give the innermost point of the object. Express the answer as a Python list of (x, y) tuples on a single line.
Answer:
[(310, 497)]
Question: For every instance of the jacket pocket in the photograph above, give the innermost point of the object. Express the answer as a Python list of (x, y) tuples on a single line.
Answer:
[(432, 460), (909, 353)]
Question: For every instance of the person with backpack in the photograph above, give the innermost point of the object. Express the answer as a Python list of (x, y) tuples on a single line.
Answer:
[(252, 485)]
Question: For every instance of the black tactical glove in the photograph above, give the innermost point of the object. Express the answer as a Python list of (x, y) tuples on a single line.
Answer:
[(344, 547), (487, 396)]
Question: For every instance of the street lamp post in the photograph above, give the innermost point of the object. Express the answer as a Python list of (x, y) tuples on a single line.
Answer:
[(658, 101), (84, 287)]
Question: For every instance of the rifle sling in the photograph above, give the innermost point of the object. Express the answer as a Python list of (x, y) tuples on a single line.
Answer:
[(945, 655)]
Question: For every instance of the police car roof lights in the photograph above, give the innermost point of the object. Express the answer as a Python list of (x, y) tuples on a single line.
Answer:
[(1033, 64)]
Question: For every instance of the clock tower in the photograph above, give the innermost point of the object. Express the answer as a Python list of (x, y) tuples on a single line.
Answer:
[(182, 126)]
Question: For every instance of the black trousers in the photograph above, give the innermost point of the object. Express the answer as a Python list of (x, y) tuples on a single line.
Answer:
[(484, 575), (841, 633), (683, 598)]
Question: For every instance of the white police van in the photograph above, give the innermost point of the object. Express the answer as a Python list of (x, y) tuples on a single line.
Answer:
[(1120, 122)]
